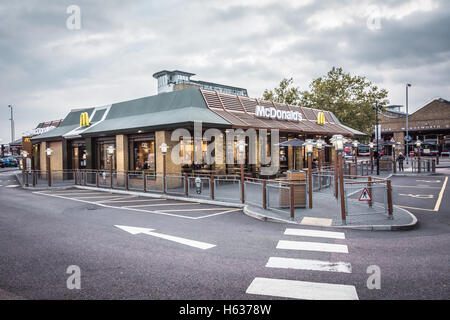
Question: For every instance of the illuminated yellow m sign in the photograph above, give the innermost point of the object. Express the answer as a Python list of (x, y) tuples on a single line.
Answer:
[(84, 119), (321, 118)]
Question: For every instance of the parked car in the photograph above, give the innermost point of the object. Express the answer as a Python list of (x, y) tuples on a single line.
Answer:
[(10, 162), (2, 163)]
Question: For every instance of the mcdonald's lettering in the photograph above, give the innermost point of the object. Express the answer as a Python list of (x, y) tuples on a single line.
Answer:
[(321, 118), (84, 119)]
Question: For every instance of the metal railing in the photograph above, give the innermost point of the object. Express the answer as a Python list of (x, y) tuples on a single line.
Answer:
[(279, 195)]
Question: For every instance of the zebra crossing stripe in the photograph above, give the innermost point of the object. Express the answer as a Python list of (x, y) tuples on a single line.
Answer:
[(301, 289), (315, 233), (307, 264), (312, 246)]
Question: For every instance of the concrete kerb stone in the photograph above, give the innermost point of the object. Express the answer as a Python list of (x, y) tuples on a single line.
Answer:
[(403, 227)]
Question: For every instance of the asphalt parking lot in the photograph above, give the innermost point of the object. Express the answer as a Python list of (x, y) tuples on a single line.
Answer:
[(161, 206)]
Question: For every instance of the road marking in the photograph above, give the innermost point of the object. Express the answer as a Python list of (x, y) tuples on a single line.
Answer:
[(316, 221), (314, 233), (136, 200), (312, 246), (301, 289), (307, 264), (218, 214), (81, 193), (188, 242), (441, 194), (420, 187), (201, 209), (96, 197), (161, 204), (12, 186), (429, 181), (66, 191), (418, 196), (126, 208), (423, 209)]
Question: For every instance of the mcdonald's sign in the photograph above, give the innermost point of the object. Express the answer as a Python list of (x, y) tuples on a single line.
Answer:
[(321, 118), (84, 119)]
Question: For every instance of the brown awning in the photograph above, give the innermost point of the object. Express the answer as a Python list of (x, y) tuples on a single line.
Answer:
[(240, 112)]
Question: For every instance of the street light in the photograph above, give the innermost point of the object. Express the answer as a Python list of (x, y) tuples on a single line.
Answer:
[(241, 152), (418, 144), (355, 145), (309, 145), (407, 125), (24, 155), (376, 107), (319, 145), (338, 142), (110, 150), (371, 145), (49, 153), (164, 148)]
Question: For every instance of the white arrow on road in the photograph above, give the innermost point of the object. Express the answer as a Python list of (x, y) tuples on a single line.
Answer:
[(188, 242)]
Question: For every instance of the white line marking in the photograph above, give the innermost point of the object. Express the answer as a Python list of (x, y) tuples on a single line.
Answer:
[(307, 264), (302, 289), (190, 210), (312, 246), (96, 197), (12, 186), (314, 233), (136, 200), (162, 204), (188, 242), (84, 193), (441, 194), (217, 214), (124, 208)]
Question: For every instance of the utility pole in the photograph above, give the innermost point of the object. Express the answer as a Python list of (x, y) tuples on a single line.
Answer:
[(407, 125), (12, 123), (377, 137)]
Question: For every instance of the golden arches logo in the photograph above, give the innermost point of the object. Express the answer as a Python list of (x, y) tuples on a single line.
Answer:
[(84, 119), (321, 118), (26, 140)]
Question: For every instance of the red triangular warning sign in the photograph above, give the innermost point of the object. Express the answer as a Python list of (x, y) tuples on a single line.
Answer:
[(365, 195)]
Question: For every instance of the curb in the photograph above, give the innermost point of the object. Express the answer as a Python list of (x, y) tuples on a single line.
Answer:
[(404, 227)]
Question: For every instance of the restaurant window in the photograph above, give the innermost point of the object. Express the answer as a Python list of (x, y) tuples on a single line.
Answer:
[(144, 155), (103, 156)]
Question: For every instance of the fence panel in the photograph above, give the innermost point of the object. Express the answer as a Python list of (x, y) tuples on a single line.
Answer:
[(253, 193), (227, 189), (175, 185), (136, 181), (154, 183), (202, 191)]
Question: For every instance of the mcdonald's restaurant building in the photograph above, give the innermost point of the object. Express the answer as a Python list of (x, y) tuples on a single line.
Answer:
[(137, 128)]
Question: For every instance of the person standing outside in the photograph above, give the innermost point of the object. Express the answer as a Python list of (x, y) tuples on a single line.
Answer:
[(400, 159)]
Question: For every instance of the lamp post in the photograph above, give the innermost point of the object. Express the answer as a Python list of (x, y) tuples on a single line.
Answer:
[(110, 151), (309, 145), (371, 156), (355, 148), (49, 152), (418, 144), (24, 154), (164, 148), (407, 125), (338, 142), (241, 152), (319, 145), (376, 107)]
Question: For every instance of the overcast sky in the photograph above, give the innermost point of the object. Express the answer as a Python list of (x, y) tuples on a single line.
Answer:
[(48, 69)]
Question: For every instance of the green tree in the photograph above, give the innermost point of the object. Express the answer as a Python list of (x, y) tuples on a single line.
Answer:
[(284, 93), (350, 98)]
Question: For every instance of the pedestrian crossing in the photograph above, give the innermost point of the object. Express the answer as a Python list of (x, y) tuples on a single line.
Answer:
[(308, 290)]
